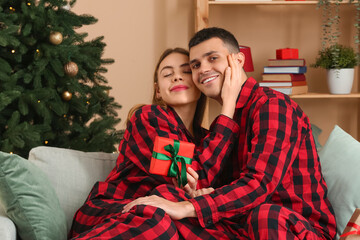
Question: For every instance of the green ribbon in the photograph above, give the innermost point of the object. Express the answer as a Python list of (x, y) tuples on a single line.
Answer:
[(174, 170)]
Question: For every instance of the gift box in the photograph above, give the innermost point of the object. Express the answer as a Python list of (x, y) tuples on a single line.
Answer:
[(171, 158), (352, 229), (287, 53)]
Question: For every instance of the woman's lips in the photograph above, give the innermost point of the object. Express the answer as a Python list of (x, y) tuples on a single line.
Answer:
[(178, 88)]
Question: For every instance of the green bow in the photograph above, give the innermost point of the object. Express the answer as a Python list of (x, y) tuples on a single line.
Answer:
[(174, 170)]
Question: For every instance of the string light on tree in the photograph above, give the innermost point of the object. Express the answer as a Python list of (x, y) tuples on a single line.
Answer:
[(71, 69), (56, 38), (38, 53), (66, 96)]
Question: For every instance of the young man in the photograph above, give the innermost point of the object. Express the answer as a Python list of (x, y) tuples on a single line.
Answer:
[(272, 186)]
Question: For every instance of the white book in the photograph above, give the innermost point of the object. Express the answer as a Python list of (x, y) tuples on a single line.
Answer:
[(292, 90), (268, 69)]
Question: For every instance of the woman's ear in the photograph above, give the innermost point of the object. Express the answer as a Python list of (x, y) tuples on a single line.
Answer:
[(157, 91)]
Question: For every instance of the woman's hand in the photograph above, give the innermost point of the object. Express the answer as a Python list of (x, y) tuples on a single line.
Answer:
[(192, 178), (176, 210), (231, 86), (190, 188)]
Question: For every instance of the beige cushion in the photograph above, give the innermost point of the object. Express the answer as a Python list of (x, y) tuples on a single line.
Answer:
[(72, 173), (7, 227)]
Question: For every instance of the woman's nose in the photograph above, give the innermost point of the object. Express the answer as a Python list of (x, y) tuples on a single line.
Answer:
[(177, 77)]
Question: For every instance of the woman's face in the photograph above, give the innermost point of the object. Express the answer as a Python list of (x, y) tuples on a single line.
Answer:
[(175, 86)]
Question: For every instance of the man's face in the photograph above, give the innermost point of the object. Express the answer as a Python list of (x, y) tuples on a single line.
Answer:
[(208, 61)]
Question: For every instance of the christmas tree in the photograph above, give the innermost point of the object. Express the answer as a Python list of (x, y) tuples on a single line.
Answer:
[(52, 91)]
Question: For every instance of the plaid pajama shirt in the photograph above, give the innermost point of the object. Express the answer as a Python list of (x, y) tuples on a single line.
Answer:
[(101, 218), (273, 187)]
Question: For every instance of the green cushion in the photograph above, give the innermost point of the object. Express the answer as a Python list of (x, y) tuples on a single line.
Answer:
[(340, 162), (29, 200), (316, 132)]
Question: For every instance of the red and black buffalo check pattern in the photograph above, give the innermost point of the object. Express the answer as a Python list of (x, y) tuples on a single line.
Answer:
[(274, 179), (100, 217)]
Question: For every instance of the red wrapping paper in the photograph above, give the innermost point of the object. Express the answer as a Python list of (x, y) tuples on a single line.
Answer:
[(287, 53), (352, 230), (161, 167)]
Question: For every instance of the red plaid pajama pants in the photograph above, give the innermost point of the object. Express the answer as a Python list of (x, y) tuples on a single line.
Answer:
[(267, 221)]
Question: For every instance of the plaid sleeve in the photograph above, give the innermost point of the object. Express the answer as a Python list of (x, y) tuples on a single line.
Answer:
[(149, 122), (276, 137), (215, 149)]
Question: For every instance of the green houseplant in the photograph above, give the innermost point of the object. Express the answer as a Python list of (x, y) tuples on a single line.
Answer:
[(337, 59), (340, 62)]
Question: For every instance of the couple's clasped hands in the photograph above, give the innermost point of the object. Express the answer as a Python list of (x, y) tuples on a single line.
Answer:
[(176, 210)]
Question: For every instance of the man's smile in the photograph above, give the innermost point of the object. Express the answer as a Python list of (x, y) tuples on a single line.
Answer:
[(208, 79)]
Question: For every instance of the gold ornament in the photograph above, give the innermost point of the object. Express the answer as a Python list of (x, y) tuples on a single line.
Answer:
[(71, 69), (56, 38), (66, 96)]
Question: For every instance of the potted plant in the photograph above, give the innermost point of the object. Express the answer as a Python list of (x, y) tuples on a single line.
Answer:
[(340, 62), (333, 56)]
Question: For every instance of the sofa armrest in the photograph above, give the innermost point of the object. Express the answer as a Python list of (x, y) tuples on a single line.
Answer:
[(7, 227)]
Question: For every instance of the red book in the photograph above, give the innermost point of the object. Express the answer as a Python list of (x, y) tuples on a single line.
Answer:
[(286, 62), (280, 77)]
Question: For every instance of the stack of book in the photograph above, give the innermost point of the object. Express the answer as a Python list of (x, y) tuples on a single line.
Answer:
[(286, 76)]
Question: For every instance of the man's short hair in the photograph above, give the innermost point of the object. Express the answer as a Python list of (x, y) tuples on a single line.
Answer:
[(228, 38)]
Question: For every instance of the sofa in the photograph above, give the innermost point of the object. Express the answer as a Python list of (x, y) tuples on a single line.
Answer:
[(39, 197), (65, 175)]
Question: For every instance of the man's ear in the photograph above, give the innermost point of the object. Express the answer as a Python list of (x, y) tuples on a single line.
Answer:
[(240, 57)]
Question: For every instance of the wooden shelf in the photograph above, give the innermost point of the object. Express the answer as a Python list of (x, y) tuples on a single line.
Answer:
[(275, 2), (325, 95)]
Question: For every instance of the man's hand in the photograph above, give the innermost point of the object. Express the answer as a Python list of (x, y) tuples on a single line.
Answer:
[(190, 188), (233, 80), (176, 210)]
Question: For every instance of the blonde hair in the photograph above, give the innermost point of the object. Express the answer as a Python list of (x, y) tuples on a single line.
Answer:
[(200, 107)]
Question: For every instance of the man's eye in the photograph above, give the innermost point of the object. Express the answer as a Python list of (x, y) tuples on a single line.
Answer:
[(187, 71), (213, 58), (195, 66)]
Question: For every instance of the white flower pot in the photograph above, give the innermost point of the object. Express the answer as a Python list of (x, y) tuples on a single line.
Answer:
[(340, 81)]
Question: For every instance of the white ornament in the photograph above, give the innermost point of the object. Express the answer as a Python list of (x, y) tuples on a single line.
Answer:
[(66, 7)]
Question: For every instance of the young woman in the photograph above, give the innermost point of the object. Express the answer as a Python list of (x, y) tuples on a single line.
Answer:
[(176, 114)]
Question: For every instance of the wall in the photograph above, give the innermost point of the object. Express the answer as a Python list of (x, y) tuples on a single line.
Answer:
[(136, 32), (266, 28)]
